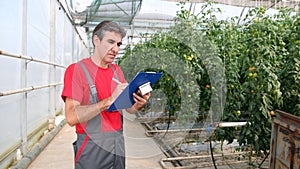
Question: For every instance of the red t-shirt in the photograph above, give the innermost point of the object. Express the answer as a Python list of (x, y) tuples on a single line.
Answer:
[(76, 87)]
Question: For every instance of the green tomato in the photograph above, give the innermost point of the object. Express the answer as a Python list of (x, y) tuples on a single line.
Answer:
[(254, 74), (238, 113)]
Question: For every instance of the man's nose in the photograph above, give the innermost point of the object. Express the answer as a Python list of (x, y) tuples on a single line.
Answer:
[(115, 48)]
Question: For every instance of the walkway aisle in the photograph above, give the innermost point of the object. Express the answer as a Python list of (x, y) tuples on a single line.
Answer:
[(141, 151), (58, 153)]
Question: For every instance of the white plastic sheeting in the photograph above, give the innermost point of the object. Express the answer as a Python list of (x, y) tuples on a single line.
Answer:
[(69, 47), (11, 33)]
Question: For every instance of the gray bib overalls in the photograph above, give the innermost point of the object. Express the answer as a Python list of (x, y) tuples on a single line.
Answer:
[(96, 149)]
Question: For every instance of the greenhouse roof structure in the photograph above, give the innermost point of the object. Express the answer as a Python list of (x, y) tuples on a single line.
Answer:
[(252, 3), (120, 11), (148, 16), (136, 16), (127, 13), (142, 13)]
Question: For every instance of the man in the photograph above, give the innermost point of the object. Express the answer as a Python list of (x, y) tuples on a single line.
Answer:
[(100, 142)]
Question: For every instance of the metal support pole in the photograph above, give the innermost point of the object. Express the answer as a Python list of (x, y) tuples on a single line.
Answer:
[(63, 61), (52, 68), (23, 72), (73, 44), (132, 34), (29, 58)]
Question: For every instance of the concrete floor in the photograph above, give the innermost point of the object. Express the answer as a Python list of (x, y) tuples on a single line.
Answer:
[(141, 152)]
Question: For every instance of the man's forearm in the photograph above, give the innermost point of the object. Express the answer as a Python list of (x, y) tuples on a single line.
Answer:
[(86, 112)]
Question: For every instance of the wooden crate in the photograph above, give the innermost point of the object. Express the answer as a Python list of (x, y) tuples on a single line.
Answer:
[(285, 141)]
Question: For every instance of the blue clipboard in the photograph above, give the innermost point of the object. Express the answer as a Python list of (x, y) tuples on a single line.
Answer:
[(125, 99)]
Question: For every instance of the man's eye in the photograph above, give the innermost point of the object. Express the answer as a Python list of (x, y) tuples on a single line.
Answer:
[(119, 44)]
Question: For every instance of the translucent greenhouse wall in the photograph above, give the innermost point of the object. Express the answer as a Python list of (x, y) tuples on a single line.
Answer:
[(46, 34)]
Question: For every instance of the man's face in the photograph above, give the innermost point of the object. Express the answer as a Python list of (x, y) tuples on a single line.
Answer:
[(109, 46)]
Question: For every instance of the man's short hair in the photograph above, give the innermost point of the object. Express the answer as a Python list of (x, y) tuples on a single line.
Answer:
[(110, 26)]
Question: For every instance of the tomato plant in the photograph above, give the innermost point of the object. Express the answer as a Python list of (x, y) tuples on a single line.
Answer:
[(261, 58)]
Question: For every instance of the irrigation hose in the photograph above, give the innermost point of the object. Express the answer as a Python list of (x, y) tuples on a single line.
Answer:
[(211, 152), (169, 121), (264, 160)]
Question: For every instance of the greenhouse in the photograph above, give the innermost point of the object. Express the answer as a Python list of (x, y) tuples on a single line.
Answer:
[(220, 85)]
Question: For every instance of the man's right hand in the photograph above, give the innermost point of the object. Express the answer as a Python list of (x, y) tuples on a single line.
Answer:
[(118, 90)]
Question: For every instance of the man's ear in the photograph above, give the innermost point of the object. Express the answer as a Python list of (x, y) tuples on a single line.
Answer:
[(96, 40)]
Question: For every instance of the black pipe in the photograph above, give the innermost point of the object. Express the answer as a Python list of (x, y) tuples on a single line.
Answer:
[(211, 152)]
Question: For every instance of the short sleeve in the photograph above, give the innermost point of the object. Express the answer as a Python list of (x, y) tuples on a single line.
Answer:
[(73, 83)]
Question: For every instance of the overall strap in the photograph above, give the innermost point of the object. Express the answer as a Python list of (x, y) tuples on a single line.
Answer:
[(113, 69), (116, 76), (93, 91), (95, 123)]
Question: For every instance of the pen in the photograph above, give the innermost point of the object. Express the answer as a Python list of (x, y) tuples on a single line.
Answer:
[(117, 81)]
